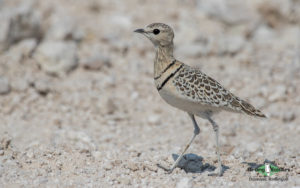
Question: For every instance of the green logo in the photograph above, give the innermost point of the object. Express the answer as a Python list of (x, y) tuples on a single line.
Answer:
[(267, 169)]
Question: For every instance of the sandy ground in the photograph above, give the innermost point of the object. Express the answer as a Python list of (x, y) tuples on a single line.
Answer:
[(79, 107)]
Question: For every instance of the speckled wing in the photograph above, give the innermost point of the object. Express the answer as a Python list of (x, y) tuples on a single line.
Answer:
[(196, 86)]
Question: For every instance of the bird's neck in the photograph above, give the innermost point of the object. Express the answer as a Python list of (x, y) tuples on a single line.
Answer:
[(164, 57)]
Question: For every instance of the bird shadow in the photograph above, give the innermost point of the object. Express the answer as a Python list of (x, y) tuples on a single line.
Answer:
[(192, 163)]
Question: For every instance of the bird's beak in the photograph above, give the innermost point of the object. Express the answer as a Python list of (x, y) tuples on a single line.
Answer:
[(139, 31)]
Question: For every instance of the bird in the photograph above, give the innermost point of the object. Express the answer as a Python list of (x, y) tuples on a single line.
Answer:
[(189, 89)]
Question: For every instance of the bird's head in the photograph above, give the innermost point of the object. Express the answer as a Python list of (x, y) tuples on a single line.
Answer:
[(158, 33)]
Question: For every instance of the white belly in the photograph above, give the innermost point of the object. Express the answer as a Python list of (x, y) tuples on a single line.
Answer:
[(187, 105)]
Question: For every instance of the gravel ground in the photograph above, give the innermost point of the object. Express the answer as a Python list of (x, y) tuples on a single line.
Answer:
[(79, 107)]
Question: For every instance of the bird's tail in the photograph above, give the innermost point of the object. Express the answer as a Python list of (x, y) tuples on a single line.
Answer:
[(250, 110)]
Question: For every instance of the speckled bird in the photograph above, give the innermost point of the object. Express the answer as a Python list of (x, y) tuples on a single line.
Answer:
[(189, 89)]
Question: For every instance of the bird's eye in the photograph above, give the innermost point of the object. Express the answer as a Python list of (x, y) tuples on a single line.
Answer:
[(156, 31)]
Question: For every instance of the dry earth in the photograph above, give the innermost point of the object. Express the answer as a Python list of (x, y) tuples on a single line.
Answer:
[(79, 107)]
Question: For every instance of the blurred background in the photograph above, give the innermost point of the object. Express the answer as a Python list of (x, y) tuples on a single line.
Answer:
[(78, 106)]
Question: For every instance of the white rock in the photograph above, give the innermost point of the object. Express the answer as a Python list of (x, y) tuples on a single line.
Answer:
[(22, 49), (63, 27), (263, 34), (42, 86), (96, 62), (288, 116), (192, 50), (184, 183), (154, 119), (231, 44), (56, 57), (230, 12), (19, 84), (278, 94), (81, 140), (19, 23), (121, 20), (4, 86), (252, 147)]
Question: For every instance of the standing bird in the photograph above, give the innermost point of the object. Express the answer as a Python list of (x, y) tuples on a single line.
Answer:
[(189, 89)]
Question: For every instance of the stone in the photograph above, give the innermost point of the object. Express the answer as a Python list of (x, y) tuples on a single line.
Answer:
[(5, 142), (111, 106), (57, 57), (154, 119), (263, 34), (231, 44), (42, 86), (275, 13), (252, 147), (132, 166), (192, 50), (19, 23), (229, 12), (288, 116), (4, 86), (96, 62), (23, 49), (184, 183), (63, 27), (278, 93)]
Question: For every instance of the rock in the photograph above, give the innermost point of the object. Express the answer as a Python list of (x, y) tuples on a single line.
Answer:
[(96, 62), (278, 94), (298, 170), (192, 50), (42, 86), (5, 142), (231, 44), (184, 183), (263, 34), (97, 155), (108, 166), (19, 23), (229, 12), (207, 45), (19, 85), (111, 106), (121, 20), (4, 86), (23, 49), (154, 119), (275, 13), (56, 57), (252, 147), (125, 181), (26, 47), (63, 27), (83, 142), (132, 166), (288, 116)]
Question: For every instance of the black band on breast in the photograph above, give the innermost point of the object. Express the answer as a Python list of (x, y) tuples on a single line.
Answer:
[(168, 78), (170, 65)]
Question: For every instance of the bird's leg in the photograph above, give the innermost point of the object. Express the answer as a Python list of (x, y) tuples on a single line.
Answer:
[(196, 132), (216, 129)]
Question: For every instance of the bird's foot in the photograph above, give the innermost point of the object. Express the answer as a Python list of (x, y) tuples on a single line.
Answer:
[(218, 172)]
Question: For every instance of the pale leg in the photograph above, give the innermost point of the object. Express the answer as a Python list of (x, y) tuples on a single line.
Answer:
[(196, 132), (216, 129)]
